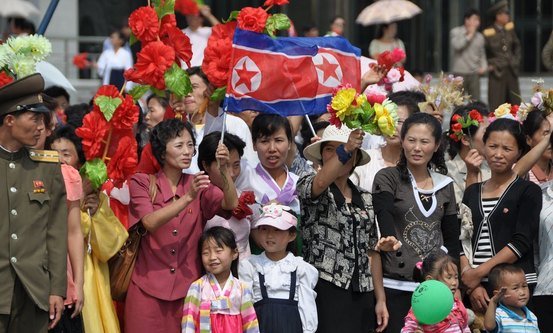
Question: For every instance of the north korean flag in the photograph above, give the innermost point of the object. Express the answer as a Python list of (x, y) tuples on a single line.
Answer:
[(288, 75)]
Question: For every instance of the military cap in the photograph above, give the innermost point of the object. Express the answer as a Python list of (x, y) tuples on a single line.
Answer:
[(23, 95), (498, 7)]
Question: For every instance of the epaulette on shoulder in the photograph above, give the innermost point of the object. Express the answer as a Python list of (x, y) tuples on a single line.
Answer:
[(49, 156), (489, 32), (510, 26)]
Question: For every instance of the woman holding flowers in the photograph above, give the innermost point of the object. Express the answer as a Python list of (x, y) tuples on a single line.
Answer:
[(339, 232), (416, 205), (174, 218), (339, 236)]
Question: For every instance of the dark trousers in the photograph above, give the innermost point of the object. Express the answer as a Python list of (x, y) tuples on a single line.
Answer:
[(543, 309), (344, 310), (398, 303), (25, 316), (68, 324), (504, 89)]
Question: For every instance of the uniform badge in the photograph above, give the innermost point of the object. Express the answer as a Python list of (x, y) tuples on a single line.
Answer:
[(38, 186)]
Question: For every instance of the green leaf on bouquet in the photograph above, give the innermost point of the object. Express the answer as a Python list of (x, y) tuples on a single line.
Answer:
[(218, 94), (138, 91), (277, 22), (108, 105), (164, 7), (96, 171), (232, 17), (177, 81)]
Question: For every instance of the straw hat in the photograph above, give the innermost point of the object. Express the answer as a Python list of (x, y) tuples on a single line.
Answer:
[(332, 134)]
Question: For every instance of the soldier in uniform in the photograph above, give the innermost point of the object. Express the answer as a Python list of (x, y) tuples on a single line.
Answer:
[(503, 52), (33, 215)]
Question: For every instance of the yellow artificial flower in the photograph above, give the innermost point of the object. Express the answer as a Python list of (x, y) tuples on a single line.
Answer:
[(343, 99), (502, 110), (361, 99), (386, 125)]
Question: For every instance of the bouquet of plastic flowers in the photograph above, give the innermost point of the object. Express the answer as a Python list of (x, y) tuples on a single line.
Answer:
[(542, 100), (374, 114), (447, 94), (20, 55), (386, 63), (509, 111), (459, 124)]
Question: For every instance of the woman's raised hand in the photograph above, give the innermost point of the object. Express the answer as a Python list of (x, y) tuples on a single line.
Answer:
[(200, 181), (355, 140)]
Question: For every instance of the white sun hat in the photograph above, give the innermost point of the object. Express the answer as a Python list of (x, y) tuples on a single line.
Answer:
[(333, 134)]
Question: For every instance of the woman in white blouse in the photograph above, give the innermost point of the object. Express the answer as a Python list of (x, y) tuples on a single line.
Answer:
[(114, 62)]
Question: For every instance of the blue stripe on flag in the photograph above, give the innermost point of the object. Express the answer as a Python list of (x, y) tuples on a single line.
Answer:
[(314, 106), (294, 46)]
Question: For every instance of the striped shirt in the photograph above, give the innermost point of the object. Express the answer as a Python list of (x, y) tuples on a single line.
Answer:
[(508, 321), (483, 251), (206, 298)]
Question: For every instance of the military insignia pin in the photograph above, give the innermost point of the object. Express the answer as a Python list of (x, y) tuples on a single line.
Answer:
[(38, 186)]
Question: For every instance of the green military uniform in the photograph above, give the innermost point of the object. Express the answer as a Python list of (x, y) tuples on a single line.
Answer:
[(33, 227), (503, 52)]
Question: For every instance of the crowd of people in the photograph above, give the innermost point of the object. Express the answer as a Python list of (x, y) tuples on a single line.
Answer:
[(256, 222)]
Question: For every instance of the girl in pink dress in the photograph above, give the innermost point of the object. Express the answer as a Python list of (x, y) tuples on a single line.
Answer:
[(218, 302), (439, 266)]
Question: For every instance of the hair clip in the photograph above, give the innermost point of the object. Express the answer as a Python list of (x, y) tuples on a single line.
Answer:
[(419, 265)]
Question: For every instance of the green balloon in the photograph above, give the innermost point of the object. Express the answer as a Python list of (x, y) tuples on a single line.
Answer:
[(431, 302)]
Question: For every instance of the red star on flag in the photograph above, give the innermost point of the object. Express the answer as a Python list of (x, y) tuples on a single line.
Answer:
[(328, 68), (245, 76)]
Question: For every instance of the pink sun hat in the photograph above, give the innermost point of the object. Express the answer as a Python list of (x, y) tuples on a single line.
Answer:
[(277, 216)]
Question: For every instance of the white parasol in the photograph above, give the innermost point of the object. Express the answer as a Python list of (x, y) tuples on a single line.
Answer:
[(387, 11), (17, 8), (53, 76)]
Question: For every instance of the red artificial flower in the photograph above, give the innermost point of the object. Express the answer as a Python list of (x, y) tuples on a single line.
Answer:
[(454, 137), (187, 7), (402, 73), (455, 118), (334, 120), (92, 133), (123, 163), (107, 90), (269, 3), (216, 63), (514, 110), (388, 59), (243, 210), (252, 19), (475, 115), (168, 21), (5, 79), (153, 60), (144, 24), (81, 60), (375, 98), (180, 43), (457, 127), (126, 114)]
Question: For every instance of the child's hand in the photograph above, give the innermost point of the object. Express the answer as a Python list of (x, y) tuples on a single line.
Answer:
[(499, 296), (388, 244)]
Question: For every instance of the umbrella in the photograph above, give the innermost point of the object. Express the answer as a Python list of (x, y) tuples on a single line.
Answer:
[(18, 8), (387, 11), (53, 76)]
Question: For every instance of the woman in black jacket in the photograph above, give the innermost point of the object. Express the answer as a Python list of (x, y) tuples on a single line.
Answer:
[(505, 214)]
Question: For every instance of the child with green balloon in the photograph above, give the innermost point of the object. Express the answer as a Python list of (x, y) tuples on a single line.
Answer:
[(434, 307)]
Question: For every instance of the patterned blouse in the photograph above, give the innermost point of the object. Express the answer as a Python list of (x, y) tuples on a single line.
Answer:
[(337, 237)]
